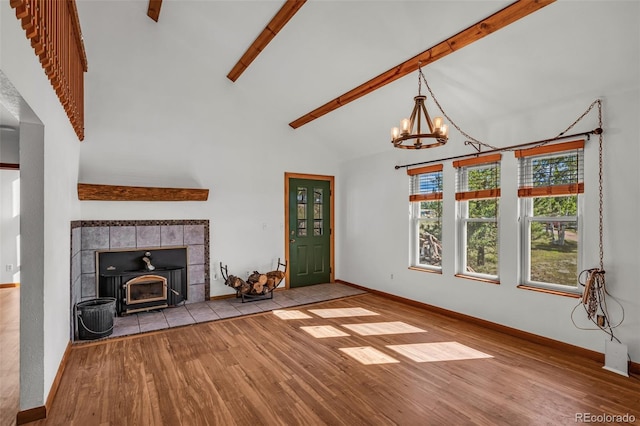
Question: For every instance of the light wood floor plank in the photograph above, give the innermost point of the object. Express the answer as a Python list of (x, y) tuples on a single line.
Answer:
[(9, 354), (263, 370)]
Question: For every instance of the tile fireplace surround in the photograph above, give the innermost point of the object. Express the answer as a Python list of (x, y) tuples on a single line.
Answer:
[(89, 236)]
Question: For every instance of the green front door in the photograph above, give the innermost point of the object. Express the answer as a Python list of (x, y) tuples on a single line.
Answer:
[(309, 232)]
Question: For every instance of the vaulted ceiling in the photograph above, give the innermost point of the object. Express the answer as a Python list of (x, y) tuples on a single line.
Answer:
[(328, 48)]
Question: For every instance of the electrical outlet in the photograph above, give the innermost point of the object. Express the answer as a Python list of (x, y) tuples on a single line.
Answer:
[(391, 276), (8, 267)]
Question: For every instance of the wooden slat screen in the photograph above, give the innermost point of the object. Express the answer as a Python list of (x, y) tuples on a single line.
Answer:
[(551, 170), (53, 28)]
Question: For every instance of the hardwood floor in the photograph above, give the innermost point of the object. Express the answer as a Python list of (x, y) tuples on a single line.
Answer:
[(9, 354), (265, 370)]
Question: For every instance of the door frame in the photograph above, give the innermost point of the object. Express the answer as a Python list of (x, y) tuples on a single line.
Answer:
[(331, 180)]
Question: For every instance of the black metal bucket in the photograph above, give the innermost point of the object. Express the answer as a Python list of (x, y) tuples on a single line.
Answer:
[(95, 318)]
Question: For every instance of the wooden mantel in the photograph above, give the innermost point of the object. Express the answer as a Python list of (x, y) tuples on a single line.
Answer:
[(88, 191)]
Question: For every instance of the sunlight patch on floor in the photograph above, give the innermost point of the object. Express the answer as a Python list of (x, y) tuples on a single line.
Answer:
[(322, 331), (367, 355), (293, 314), (440, 351), (379, 328), (342, 312)]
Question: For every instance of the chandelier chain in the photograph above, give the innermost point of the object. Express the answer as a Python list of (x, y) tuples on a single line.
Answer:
[(593, 104), (478, 142), (453, 123)]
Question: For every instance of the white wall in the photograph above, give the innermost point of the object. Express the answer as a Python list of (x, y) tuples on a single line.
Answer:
[(373, 233), (49, 155), (162, 120), (9, 225), (9, 146)]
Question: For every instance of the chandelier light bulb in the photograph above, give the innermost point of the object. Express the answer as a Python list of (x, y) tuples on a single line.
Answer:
[(395, 132), (444, 130), (405, 126), (437, 123)]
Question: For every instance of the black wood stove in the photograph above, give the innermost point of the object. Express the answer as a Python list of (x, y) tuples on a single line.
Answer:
[(144, 279)]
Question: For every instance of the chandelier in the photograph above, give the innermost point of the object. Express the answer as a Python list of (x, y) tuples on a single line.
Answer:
[(409, 135)]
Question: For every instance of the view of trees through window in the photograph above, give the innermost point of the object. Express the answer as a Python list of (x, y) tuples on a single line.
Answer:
[(482, 237), (553, 227), (549, 188), (430, 233), (480, 219), (554, 243)]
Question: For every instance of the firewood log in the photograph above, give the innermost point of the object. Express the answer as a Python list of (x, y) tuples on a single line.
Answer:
[(257, 277), (233, 281), (271, 283), (273, 279), (244, 288), (258, 288), (276, 274)]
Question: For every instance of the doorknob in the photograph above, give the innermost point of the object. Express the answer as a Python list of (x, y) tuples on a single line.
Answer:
[(292, 240)]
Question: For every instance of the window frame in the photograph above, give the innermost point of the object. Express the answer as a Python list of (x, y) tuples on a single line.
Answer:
[(526, 217), (416, 198), (463, 196)]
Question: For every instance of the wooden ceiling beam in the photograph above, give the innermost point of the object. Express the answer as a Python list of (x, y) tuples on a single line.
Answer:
[(154, 9), (286, 12), (498, 20)]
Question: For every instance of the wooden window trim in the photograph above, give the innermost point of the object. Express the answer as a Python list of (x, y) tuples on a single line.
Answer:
[(426, 197), (484, 159), (549, 291), (428, 270), (484, 280), (474, 195), (426, 169), (543, 191), (550, 149)]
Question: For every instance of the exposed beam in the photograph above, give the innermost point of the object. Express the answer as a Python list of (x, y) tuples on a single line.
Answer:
[(286, 12), (498, 20), (87, 191), (154, 9)]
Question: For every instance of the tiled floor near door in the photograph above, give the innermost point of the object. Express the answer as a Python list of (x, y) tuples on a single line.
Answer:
[(226, 308)]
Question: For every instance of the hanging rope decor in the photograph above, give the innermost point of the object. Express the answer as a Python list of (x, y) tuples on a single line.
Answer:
[(594, 296)]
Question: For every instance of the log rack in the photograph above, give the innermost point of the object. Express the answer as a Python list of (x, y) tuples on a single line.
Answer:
[(257, 286)]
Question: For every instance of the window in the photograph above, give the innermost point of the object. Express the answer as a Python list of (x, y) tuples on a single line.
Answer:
[(551, 181), (477, 202), (426, 217)]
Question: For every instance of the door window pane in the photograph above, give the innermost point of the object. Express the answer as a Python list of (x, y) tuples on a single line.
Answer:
[(301, 210), (318, 223)]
